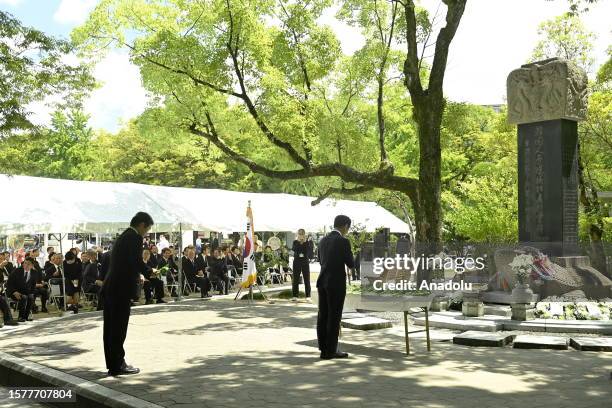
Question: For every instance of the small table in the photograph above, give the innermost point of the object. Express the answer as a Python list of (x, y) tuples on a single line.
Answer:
[(402, 304), (426, 329)]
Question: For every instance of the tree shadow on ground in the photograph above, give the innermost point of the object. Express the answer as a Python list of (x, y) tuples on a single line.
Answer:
[(378, 373)]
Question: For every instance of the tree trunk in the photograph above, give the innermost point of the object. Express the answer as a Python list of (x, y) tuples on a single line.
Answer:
[(428, 116), (427, 208)]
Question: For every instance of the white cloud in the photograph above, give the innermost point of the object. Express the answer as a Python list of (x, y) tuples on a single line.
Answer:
[(119, 98), (73, 11), (13, 3)]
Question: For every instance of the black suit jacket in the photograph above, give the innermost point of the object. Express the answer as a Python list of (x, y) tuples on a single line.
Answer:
[(104, 265), (190, 269), (16, 282), (334, 255), (126, 264), (90, 275)]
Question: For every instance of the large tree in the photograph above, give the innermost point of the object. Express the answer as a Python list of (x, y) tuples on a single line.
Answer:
[(269, 69), (32, 67)]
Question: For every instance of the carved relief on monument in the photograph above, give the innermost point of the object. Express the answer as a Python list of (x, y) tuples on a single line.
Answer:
[(547, 90)]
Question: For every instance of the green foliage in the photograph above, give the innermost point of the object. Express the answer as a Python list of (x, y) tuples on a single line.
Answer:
[(62, 151), (32, 67), (565, 36)]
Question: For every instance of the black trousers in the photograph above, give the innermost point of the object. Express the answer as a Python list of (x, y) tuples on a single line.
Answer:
[(303, 267), (44, 295), (331, 301), (216, 279), (116, 319), (203, 283), (24, 305), (154, 285), (6, 310)]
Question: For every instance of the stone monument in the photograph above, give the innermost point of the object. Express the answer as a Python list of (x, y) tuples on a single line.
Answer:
[(546, 99)]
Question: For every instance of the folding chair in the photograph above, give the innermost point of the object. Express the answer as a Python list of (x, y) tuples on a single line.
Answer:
[(233, 275), (275, 275), (90, 298), (55, 292)]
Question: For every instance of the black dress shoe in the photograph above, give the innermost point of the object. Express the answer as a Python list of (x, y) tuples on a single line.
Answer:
[(161, 301), (337, 354), (21, 320)]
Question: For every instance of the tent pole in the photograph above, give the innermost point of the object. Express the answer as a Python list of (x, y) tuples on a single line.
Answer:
[(180, 263), (63, 278)]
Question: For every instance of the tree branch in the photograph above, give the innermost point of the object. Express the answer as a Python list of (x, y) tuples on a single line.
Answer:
[(233, 51), (445, 36), (412, 77), (341, 190)]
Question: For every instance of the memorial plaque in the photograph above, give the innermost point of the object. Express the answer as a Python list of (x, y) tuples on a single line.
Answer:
[(546, 99)]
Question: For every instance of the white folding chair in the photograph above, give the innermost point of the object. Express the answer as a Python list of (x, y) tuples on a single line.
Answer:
[(55, 292)]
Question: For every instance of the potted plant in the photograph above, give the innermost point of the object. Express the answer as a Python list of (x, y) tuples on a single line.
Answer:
[(522, 266)]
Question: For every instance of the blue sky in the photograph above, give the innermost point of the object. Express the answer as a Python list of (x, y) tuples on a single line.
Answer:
[(39, 14), (494, 37)]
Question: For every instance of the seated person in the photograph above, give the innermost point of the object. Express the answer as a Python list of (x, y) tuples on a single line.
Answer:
[(39, 285), (6, 312), (167, 260), (152, 282), (72, 279), (6, 266), (234, 259), (218, 269), (154, 258), (18, 288), (194, 273), (91, 281)]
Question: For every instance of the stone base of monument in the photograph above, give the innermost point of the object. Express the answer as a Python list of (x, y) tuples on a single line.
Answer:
[(591, 343), (366, 323), (497, 310), (501, 298), (472, 309), (523, 311), (439, 305), (483, 339), (525, 341)]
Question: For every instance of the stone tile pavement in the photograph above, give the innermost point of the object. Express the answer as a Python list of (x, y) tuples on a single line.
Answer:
[(224, 354)]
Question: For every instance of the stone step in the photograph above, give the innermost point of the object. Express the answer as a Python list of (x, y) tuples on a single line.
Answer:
[(483, 339), (591, 343), (499, 297), (456, 321), (353, 315), (366, 323), (497, 310), (526, 341)]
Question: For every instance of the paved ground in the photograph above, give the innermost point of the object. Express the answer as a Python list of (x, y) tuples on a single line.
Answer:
[(224, 354)]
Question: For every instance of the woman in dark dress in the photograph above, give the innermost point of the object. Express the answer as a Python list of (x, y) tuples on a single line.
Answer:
[(73, 275), (302, 249)]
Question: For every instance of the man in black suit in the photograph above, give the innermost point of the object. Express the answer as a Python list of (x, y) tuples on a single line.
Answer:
[(19, 287), (194, 272), (172, 274), (334, 255), (39, 285), (6, 267), (121, 285)]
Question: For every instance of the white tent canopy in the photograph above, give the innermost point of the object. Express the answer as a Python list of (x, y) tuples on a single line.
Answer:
[(44, 205)]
